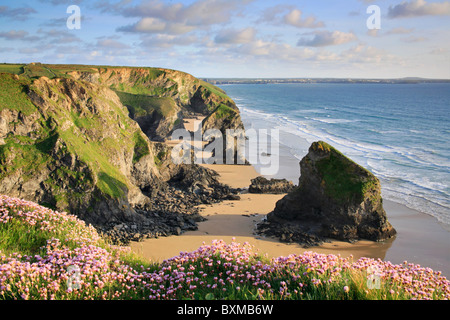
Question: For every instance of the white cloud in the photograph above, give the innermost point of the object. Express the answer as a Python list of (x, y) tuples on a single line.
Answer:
[(112, 44), (151, 25), (362, 54), (289, 15), (413, 39), (416, 8), (167, 41), (58, 36), (439, 51), (210, 12), (16, 13), (62, 2), (272, 51), (232, 36), (294, 18), (327, 38), (373, 32), (155, 25), (14, 34), (400, 30), (94, 53), (158, 16)]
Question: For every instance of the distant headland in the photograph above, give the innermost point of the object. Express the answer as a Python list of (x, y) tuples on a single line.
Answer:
[(407, 80)]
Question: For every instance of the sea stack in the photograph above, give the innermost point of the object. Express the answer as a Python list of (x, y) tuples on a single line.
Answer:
[(336, 198)]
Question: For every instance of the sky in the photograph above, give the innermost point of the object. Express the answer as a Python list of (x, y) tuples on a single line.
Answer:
[(235, 38)]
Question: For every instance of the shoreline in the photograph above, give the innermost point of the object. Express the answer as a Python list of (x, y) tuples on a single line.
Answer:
[(420, 238)]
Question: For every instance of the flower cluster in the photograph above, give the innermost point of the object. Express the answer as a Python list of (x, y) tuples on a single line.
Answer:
[(215, 271), (411, 280), (43, 219), (47, 277)]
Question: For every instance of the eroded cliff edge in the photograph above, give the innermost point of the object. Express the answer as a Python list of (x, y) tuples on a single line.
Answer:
[(84, 139)]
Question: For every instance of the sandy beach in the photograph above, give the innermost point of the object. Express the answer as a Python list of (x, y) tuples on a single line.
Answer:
[(420, 238)]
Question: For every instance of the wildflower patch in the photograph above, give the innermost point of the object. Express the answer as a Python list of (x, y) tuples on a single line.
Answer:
[(81, 265)]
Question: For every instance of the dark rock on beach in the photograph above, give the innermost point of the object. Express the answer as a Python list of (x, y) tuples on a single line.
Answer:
[(275, 186), (174, 206), (336, 199)]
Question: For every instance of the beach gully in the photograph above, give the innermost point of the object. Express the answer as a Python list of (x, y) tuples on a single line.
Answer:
[(234, 147)]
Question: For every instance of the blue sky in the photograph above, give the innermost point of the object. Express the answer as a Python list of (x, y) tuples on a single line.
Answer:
[(235, 38)]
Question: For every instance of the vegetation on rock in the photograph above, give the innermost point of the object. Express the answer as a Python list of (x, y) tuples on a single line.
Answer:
[(336, 198), (343, 179)]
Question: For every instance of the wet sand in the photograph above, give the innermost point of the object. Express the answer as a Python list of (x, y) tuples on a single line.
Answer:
[(191, 125), (420, 240)]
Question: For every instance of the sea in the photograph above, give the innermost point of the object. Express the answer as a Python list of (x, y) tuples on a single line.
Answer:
[(400, 132)]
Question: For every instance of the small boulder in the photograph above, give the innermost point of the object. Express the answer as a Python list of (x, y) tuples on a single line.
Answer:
[(275, 186)]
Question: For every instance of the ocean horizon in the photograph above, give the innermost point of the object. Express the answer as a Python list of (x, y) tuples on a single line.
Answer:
[(397, 131)]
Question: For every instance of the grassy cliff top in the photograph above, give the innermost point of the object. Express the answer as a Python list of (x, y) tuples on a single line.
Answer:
[(57, 70), (13, 94), (142, 90)]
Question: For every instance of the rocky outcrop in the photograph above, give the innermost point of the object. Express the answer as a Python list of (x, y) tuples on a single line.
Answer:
[(275, 186), (174, 205), (336, 198), (228, 121)]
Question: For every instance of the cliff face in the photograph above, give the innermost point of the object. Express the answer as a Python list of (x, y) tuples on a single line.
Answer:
[(75, 149), (159, 99), (70, 140), (336, 198)]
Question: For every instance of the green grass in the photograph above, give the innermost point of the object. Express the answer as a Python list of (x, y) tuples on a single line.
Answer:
[(17, 237), (159, 158), (216, 90), (142, 88), (13, 94), (110, 180), (343, 179), (31, 227), (38, 70), (140, 147), (152, 74), (27, 158), (11, 68), (111, 186), (224, 111), (62, 70), (140, 105)]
